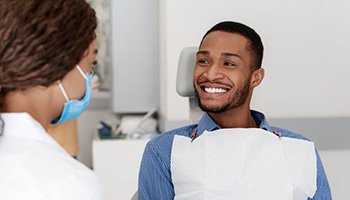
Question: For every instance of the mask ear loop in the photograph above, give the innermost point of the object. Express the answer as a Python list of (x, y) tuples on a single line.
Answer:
[(62, 88), (63, 91), (81, 71)]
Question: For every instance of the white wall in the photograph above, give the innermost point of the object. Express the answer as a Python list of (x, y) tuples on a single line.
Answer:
[(306, 52)]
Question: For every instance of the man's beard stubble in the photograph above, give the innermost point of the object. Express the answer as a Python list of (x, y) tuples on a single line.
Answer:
[(239, 99)]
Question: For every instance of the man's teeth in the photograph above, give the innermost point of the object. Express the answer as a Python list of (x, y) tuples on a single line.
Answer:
[(214, 90)]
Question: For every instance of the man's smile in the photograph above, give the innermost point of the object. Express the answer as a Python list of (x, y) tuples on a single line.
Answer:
[(209, 90), (214, 90)]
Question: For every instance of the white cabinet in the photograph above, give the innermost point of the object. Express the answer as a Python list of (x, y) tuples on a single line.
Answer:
[(117, 163)]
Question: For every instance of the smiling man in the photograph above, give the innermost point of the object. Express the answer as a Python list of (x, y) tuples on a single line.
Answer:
[(232, 153)]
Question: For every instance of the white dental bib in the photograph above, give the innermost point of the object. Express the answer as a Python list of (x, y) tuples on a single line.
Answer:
[(243, 164)]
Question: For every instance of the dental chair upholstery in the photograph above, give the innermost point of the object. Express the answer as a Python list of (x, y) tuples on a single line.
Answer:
[(187, 62), (184, 81)]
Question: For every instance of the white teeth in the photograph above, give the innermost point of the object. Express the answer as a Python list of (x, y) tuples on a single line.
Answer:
[(215, 90)]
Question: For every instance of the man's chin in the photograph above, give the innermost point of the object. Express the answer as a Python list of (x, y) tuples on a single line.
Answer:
[(213, 109)]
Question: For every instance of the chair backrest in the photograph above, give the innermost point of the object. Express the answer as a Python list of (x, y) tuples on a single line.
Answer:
[(184, 81)]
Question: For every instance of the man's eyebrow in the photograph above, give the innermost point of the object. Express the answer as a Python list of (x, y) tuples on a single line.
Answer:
[(203, 52), (231, 54), (222, 54)]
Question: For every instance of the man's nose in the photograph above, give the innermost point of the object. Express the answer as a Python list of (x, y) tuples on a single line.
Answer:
[(214, 72)]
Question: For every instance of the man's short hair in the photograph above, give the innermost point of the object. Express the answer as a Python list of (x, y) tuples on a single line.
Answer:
[(255, 47)]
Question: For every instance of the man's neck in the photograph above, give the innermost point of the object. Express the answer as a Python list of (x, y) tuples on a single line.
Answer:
[(235, 118)]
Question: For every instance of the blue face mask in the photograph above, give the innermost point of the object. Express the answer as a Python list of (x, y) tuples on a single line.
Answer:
[(73, 108)]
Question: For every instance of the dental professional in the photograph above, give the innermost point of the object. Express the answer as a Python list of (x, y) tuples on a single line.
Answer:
[(233, 152), (46, 53)]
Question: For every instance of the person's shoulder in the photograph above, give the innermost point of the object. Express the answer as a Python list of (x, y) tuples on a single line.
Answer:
[(290, 134), (48, 173), (52, 162), (166, 139)]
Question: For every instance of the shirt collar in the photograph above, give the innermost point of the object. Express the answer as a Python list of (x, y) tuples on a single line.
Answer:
[(207, 123), (261, 120)]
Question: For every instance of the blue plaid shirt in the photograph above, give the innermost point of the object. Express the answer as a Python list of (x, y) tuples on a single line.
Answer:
[(155, 182)]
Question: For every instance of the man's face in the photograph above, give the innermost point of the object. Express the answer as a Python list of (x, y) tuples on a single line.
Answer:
[(223, 70)]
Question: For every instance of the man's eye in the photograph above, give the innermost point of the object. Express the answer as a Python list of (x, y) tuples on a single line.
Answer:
[(230, 64), (202, 61)]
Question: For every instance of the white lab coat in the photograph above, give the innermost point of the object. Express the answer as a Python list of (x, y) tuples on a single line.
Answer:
[(34, 167)]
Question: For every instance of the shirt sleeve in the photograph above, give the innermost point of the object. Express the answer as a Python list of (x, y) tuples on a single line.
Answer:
[(323, 191), (154, 176)]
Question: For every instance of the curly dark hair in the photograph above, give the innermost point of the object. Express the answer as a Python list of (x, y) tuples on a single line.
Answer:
[(41, 41), (256, 46)]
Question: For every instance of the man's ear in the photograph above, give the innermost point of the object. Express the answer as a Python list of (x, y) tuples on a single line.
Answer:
[(257, 77)]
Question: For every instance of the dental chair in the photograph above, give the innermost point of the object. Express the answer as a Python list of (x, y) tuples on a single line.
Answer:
[(184, 81), (184, 85)]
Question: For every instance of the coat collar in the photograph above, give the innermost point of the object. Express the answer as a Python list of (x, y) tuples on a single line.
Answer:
[(23, 125)]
